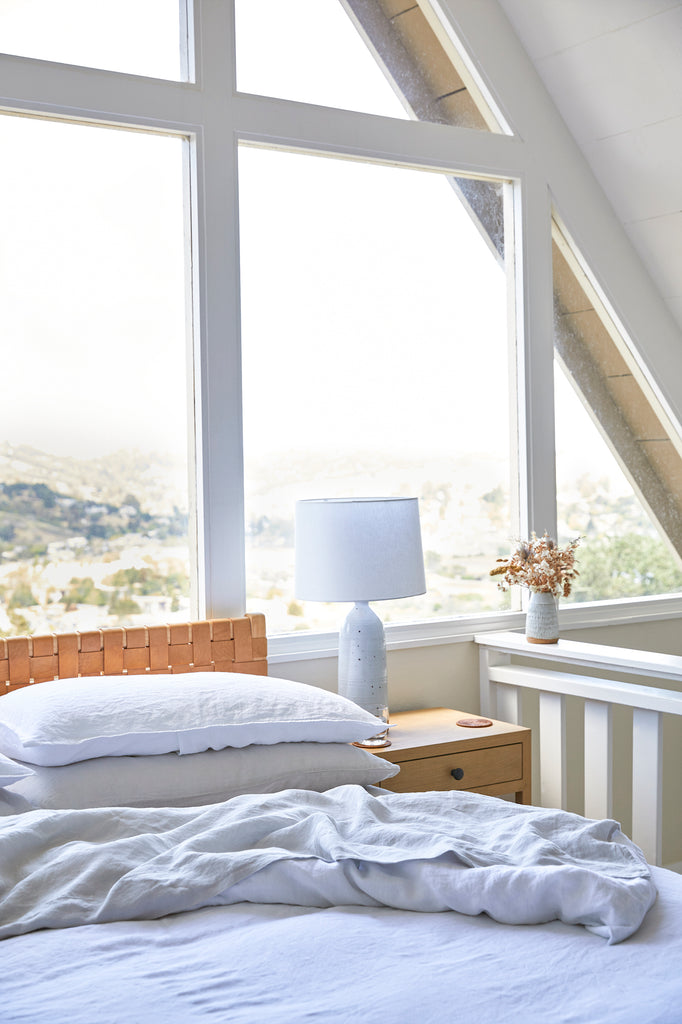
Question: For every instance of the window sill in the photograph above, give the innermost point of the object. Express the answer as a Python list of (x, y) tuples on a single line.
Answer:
[(301, 646)]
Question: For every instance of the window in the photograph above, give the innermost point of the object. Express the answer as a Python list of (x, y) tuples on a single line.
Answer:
[(136, 202), (617, 454), (378, 362), (623, 554), (94, 450)]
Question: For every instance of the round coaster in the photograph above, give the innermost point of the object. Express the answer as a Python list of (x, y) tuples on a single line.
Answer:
[(474, 723)]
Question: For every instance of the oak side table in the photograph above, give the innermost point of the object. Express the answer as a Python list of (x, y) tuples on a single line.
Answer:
[(436, 753)]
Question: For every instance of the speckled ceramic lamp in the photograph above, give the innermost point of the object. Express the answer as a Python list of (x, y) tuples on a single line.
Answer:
[(360, 550)]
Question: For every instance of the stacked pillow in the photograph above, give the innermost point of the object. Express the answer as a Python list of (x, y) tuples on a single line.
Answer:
[(11, 772), (173, 740)]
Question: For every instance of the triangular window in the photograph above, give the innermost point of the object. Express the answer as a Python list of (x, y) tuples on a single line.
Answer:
[(390, 57), (618, 456)]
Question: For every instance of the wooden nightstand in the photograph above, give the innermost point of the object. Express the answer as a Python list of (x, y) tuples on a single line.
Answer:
[(435, 753)]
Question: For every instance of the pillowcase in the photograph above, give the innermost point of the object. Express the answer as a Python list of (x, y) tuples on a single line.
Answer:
[(67, 720), (11, 772), (170, 780)]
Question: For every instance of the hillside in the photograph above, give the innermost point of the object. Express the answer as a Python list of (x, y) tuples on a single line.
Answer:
[(32, 516), (158, 482)]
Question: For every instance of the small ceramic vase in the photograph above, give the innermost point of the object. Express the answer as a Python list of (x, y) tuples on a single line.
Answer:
[(542, 619)]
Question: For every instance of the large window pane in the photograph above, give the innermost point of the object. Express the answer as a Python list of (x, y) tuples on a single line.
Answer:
[(140, 37), (375, 344), (93, 429)]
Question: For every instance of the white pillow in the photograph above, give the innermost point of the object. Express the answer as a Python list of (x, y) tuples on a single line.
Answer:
[(67, 720), (11, 772), (169, 780)]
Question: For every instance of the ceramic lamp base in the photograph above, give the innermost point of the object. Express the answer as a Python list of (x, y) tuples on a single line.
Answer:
[(362, 666)]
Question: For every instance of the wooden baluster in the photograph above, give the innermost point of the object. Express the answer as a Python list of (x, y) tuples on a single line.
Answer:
[(598, 759), (552, 707), (647, 783)]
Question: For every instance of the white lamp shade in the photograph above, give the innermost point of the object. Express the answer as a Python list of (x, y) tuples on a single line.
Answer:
[(358, 549)]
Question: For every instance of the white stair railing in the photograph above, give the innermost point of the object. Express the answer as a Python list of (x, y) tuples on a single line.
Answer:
[(502, 683)]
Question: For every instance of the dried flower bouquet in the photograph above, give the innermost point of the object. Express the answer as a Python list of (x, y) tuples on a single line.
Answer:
[(539, 565)]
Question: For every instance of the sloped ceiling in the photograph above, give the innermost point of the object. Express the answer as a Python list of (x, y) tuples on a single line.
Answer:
[(614, 71)]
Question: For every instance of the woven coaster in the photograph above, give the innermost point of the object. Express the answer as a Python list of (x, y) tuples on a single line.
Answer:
[(474, 723)]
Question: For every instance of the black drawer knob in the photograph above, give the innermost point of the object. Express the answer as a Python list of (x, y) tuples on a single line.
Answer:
[(457, 773)]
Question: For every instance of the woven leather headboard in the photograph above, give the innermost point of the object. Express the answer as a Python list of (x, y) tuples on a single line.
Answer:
[(212, 645)]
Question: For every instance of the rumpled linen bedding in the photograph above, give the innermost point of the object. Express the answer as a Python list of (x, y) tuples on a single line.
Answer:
[(427, 852)]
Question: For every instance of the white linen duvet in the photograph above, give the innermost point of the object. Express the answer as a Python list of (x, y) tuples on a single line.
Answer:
[(427, 852)]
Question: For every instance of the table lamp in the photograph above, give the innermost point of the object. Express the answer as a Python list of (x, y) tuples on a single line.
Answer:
[(360, 550)]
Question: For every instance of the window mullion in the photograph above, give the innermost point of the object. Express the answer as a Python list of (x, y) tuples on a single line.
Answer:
[(275, 122), (220, 489)]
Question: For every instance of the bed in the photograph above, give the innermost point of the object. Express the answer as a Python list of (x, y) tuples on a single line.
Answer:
[(186, 838)]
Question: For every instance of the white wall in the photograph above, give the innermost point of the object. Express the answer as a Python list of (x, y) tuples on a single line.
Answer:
[(443, 675), (446, 675)]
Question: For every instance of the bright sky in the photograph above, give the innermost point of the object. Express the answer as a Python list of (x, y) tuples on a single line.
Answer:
[(91, 289), (372, 293), (91, 251), (268, 30), (136, 36)]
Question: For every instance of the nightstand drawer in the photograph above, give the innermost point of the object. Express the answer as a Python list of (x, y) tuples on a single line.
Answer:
[(474, 769)]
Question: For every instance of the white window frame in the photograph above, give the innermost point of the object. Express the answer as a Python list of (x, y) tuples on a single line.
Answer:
[(541, 160)]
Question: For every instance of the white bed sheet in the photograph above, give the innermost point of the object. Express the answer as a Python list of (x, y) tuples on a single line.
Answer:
[(258, 964)]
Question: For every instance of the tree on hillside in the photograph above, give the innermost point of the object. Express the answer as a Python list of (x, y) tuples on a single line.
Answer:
[(82, 590), (633, 565), (122, 606), (22, 596)]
